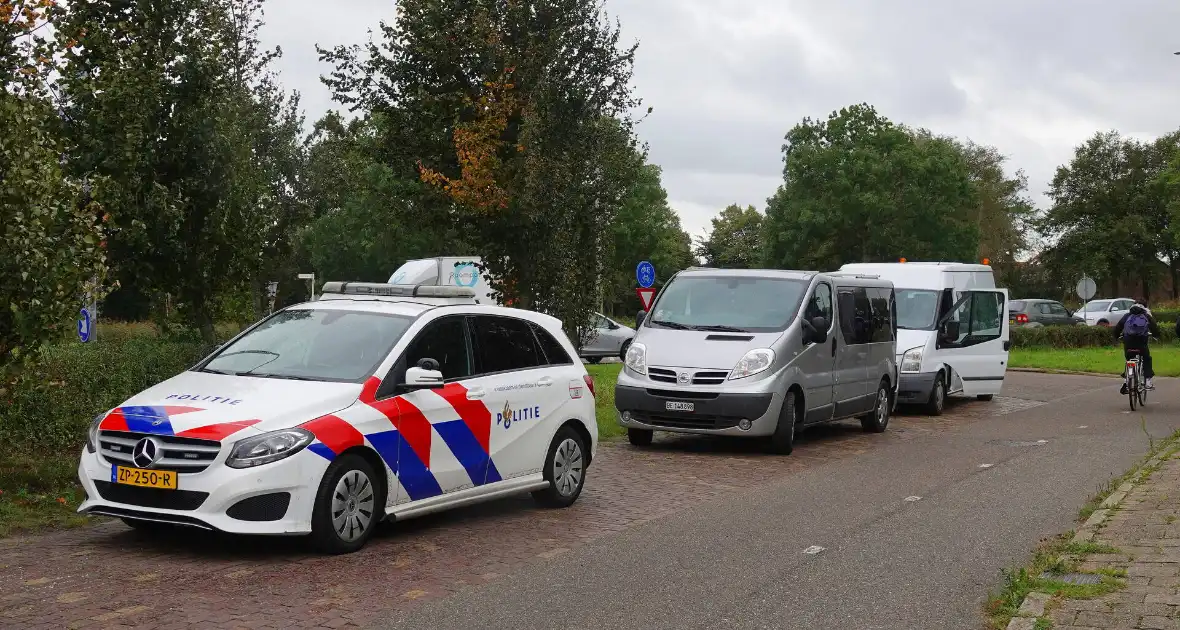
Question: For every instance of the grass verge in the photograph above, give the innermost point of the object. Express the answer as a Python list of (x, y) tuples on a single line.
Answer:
[(38, 492), (1058, 556), (1165, 359), (605, 375)]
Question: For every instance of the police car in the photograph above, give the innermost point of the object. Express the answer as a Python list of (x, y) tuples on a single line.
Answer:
[(374, 402)]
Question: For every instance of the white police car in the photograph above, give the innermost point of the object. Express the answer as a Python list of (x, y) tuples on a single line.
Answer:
[(376, 401)]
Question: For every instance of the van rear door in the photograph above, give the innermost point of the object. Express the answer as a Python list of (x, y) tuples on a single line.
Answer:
[(973, 338)]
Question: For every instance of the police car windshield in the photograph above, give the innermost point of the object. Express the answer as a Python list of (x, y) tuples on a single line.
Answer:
[(312, 345), (727, 304), (917, 309)]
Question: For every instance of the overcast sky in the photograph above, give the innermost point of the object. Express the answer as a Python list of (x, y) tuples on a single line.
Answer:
[(728, 79)]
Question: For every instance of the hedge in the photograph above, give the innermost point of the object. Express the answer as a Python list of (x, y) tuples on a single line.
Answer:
[(1077, 336), (49, 408)]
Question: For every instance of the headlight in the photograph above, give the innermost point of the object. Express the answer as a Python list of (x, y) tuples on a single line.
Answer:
[(92, 433), (268, 447), (754, 362), (911, 361), (636, 359)]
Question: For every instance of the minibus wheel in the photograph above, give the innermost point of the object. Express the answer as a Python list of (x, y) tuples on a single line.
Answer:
[(937, 396), (783, 439), (876, 421), (639, 437)]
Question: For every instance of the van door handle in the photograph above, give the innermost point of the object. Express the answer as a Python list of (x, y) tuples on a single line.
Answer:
[(475, 394), (545, 381), (833, 347)]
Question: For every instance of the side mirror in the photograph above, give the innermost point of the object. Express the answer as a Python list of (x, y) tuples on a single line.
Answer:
[(639, 318), (425, 375), (949, 331), (816, 329)]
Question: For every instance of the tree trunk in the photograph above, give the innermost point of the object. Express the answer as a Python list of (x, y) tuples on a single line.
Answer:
[(205, 325), (1172, 266), (1146, 289)]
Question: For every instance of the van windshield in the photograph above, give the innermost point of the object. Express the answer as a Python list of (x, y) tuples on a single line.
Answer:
[(728, 304), (917, 309), (416, 272)]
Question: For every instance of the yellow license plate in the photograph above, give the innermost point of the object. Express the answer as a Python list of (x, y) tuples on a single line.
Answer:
[(163, 479)]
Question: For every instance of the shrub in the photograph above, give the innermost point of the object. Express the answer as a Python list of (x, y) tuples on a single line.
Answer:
[(49, 407), (1077, 336)]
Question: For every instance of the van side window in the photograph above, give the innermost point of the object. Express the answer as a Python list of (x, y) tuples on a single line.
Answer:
[(976, 319), (882, 301), (504, 344), (856, 315), (820, 304)]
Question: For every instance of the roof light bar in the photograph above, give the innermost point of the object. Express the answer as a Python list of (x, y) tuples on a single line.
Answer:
[(397, 290)]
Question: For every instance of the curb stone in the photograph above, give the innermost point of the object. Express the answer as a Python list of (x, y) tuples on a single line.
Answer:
[(1066, 372), (1033, 606)]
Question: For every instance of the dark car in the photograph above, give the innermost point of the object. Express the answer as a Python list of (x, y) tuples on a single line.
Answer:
[(1037, 313)]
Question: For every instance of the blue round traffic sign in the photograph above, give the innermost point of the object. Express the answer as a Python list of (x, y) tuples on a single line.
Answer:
[(645, 273), (85, 326)]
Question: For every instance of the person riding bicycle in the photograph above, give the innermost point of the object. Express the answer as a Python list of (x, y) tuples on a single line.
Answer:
[(1135, 328)]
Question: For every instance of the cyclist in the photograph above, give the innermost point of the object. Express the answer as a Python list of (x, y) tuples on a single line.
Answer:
[(1135, 328)]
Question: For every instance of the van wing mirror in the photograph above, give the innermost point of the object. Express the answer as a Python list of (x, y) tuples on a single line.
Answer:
[(817, 329), (639, 318), (949, 331)]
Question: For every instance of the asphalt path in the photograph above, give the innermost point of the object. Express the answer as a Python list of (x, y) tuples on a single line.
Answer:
[(913, 534)]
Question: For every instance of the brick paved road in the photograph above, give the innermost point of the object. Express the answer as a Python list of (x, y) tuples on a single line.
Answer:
[(1146, 532), (108, 576)]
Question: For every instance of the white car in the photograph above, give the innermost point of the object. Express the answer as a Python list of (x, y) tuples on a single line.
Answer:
[(1104, 312), (610, 339), (376, 401)]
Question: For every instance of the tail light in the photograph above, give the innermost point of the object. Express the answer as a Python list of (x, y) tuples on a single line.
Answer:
[(1021, 318), (590, 384)]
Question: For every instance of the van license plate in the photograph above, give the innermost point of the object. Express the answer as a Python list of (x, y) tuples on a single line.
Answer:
[(674, 405)]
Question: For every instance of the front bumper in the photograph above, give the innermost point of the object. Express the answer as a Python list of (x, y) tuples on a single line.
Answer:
[(714, 413), (211, 499), (915, 389)]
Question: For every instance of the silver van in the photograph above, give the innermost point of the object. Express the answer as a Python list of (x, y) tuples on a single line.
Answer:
[(760, 353)]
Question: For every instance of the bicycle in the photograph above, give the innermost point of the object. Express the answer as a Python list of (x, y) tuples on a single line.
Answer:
[(1135, 383)]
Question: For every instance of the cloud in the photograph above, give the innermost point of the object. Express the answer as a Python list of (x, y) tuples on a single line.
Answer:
[(727, 80)]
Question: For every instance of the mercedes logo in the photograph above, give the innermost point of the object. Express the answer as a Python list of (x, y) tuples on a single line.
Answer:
[(683, 378), (146, 453)]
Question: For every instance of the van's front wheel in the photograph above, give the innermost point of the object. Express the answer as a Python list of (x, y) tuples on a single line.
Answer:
[(937, 400), (783, 439)]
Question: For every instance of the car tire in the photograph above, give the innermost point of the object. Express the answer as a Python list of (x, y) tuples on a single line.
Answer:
[(782, 441), (878, 420), (640, 437), (623, 350), (594, 360), (937, 402), (985, 397), (348, 506), (565, 470)]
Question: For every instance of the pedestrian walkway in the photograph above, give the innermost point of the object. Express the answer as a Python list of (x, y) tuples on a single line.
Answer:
[(1141, 522)]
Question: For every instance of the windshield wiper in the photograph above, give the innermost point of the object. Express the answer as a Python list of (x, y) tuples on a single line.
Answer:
[(230, 354), (676, 325), (289, 377), (721, 328)]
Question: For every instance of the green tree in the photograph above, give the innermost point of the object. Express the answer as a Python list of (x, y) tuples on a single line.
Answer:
[(646, 228), (858, 188), (173, 102), (517, 115), (50, 232), (1110, 213), (735, 241)]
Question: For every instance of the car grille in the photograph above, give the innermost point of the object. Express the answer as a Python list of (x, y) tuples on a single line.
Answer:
[(704, 377), (151, 497), (686, 421), (182, 455)]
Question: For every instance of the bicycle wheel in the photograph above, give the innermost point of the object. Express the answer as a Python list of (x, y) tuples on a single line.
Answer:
[(1142, 390), (1132, 385)]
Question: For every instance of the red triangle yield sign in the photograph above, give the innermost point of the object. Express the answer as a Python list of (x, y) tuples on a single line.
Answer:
[(645, 296)]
